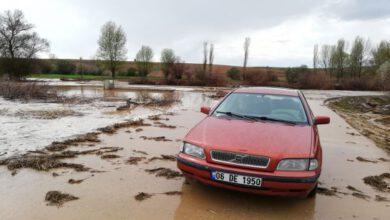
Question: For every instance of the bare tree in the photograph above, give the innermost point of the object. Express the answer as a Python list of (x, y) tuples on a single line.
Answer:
[(325, 57), (315, 58), (167, 60), (112, 46), (19, 44), (211, 58), (247, 43), (144, 61), (205, 55)]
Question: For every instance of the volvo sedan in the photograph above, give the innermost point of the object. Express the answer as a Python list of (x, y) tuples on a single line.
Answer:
[(258, 140)]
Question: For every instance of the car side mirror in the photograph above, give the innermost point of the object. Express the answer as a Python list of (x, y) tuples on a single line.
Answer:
[(321, 120), (205, 110)]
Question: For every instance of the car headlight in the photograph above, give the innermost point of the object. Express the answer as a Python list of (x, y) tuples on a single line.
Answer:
[(313, 164), (193, 150), (297, 164)]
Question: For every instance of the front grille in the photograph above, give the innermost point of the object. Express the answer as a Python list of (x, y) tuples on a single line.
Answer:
[(239, 159)]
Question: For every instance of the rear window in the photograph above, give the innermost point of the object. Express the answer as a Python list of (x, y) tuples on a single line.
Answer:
[(280, 107)]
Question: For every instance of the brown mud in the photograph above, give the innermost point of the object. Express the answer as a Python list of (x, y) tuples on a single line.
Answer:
[(367, 114)]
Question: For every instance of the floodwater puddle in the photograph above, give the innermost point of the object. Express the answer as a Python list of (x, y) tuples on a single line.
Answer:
[(146, 170), (33, 125)]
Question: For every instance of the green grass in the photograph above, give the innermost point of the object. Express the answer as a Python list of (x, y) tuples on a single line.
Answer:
[(70, 76), (77, 76)]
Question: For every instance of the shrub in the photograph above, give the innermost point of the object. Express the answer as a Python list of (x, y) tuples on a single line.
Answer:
[(216, 80), (310, 80), (131, 71), (259, 77), (362, 83), (292, 74), (92, 70), (200, 77), (26, 91), (46, 67), (65, 67), (234, 73)]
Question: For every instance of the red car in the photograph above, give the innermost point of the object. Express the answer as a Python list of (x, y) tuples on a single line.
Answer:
[(258, 140)]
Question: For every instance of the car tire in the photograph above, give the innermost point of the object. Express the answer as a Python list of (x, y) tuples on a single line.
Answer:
[(313, 192)]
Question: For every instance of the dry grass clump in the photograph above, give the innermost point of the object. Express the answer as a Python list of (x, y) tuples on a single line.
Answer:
[(62, 145), (112, 129), (39, 162), (378, 182), (109, 156), (164, 157), (163, 125), (142, 196), (219, 94), (164, 172), (58, 198), (166, 100), (46, 160), (27, 91), (159, 138), (135, 160), (47, 114)]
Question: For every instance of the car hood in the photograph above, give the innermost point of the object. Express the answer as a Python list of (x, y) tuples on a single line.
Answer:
[(272, 139)]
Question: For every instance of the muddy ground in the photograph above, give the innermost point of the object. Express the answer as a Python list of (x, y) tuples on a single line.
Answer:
[(370, 115), (140, 181)]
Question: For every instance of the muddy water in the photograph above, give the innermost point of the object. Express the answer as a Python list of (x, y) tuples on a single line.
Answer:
[(110, 194), (21, 131)]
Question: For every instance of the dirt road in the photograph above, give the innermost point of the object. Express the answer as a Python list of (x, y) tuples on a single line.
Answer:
[(108, 192)]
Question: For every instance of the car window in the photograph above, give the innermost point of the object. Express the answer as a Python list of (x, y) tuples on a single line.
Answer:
[(280, 107)]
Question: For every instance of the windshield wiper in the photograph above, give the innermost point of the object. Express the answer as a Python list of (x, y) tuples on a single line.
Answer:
[(236, 115), (265, 118), (256, 118)]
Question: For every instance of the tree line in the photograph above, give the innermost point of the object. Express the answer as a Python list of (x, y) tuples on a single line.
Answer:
[(20, 46), (362, 59)]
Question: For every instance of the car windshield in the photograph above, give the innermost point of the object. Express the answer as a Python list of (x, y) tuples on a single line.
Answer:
[(288, 109)]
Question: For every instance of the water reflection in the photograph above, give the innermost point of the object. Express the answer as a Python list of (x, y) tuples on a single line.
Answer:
[(200, 202)]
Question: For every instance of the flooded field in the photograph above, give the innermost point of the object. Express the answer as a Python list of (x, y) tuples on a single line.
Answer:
[(30, 126), (139, 180)]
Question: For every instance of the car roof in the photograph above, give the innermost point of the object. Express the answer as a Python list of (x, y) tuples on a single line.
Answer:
[(268, 91)]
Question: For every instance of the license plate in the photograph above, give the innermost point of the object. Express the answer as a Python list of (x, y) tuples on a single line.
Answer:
[(236, 178)]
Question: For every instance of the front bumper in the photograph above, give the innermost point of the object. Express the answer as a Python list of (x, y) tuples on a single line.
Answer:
[(296, 184)]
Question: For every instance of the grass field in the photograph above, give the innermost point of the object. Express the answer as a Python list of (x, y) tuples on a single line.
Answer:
[(76, 76)]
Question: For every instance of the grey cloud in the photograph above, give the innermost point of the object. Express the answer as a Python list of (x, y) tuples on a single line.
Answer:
[(357, 9), (72, 26)]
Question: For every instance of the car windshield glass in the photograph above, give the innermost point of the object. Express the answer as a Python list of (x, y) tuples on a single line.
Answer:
[(252, 106)]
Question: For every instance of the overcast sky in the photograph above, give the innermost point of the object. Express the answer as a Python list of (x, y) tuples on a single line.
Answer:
[(282, 32)]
